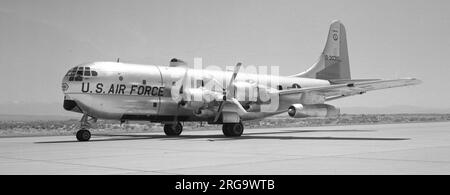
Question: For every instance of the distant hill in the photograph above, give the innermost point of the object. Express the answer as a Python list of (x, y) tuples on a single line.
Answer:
[(38, 108), (55, 111), (4, 117), (399, 109), (35, 111)]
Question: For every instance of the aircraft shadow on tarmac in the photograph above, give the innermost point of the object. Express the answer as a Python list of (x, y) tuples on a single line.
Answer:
[(245, 136)]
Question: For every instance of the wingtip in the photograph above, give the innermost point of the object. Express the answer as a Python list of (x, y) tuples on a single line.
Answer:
[(414, 81), (417, 81)]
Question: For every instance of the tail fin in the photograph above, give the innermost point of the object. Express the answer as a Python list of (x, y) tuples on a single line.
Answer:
[(333, 64)]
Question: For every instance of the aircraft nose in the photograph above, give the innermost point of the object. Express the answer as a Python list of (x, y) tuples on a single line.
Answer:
[(68, 78)]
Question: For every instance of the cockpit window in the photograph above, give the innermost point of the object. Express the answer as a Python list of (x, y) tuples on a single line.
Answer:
[(78, 78), (78, 73)]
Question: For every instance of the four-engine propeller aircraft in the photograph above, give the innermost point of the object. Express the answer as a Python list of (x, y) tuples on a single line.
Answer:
[(175, 93)]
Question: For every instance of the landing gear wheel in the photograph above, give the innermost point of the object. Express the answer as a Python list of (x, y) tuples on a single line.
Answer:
[(173, 129), (233, 129), (83, 135), (226, 129)]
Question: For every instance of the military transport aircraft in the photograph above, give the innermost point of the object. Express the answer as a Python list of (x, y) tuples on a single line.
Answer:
[(175, 93)]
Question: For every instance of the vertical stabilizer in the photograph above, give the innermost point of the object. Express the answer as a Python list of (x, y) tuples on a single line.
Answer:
[(333, 64)]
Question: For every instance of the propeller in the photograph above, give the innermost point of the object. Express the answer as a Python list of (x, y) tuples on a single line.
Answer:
[(229, 94), (181, 92)]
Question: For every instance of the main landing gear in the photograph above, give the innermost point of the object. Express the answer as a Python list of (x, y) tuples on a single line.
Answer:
[(229, 129), (83, 134), (233, 129), (173, 129)]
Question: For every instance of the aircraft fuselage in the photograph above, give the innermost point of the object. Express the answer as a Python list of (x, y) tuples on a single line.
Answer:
[(119, 91)]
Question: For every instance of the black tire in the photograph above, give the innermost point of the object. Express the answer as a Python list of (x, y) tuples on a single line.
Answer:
[(83, 135), (233, 129), (225, 130), (173, 129)]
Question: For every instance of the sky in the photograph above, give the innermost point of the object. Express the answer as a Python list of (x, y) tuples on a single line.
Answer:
[(41, 39)]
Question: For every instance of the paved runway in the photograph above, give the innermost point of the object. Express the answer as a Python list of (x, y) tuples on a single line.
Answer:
[(420, 148)]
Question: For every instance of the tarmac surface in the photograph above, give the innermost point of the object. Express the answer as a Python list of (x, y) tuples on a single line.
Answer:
[(416, 148)]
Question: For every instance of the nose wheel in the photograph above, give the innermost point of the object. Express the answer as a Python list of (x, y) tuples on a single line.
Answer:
[(83, 135)]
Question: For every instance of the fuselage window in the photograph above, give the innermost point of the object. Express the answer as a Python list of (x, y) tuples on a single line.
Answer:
[(87, 73), (94, 73), (144, 82), (280, 87)]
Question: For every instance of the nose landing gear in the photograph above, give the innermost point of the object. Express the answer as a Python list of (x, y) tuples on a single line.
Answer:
[(83, 134)]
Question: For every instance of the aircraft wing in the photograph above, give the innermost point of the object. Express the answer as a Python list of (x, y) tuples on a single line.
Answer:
[(350, 88)]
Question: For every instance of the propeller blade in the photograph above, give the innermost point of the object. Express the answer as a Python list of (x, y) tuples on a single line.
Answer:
[(219, 111), (183, 82), (181, 93), (239, 106), (230, 87), (229, 93)]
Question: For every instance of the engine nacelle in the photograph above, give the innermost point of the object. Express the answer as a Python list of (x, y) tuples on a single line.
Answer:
[(314, 110)]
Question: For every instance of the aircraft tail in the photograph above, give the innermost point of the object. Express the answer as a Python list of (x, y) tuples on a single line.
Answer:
[(333, 64)]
